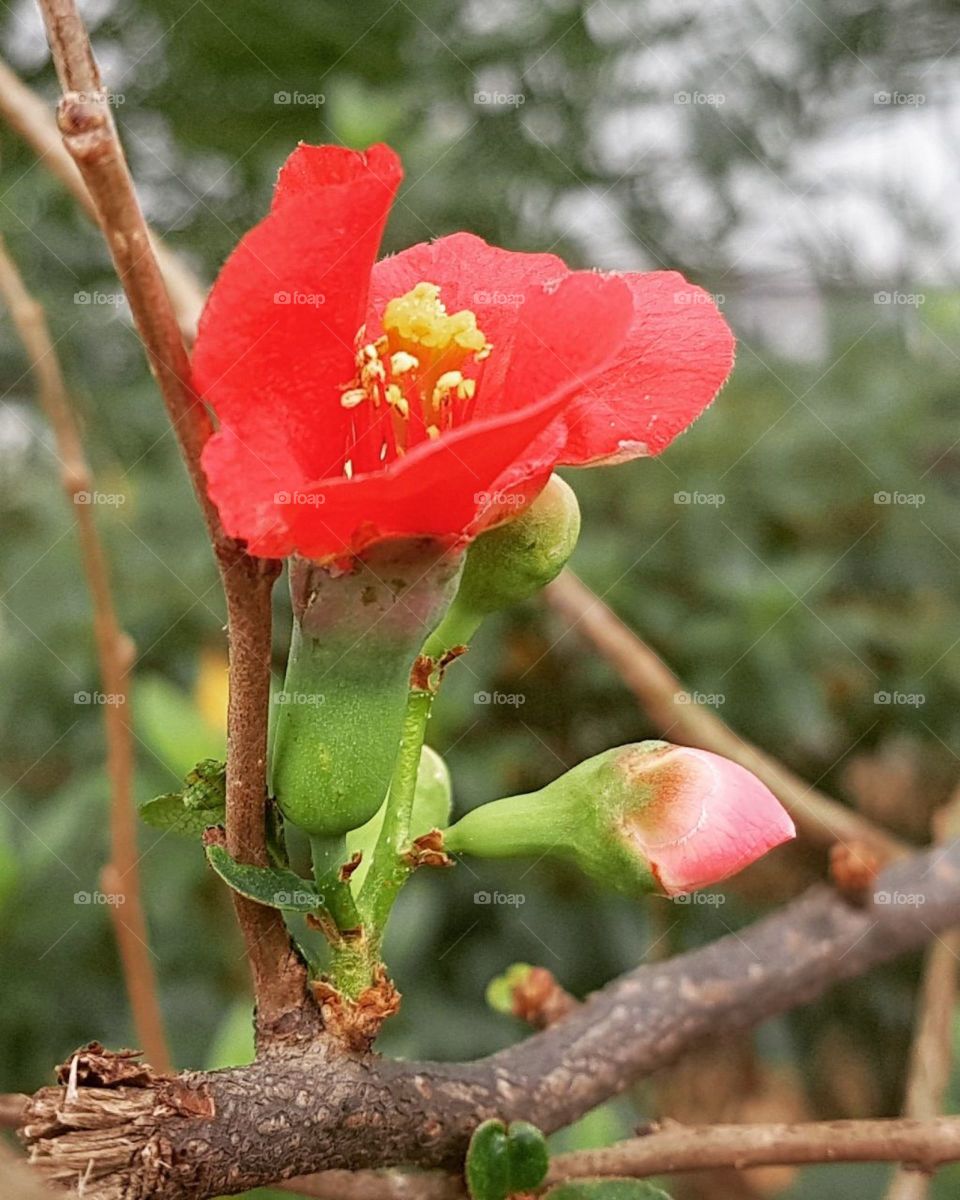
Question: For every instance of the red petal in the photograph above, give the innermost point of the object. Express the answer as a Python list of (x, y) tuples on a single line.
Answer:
[(491, 282), (677, 355), (276, 337), (248, 485), (449, 487)]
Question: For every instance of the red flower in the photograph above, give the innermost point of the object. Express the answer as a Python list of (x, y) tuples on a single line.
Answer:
[(433, 392)]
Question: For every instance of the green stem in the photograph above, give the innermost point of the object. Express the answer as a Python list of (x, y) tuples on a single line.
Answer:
[(329, 854), (389, 870)]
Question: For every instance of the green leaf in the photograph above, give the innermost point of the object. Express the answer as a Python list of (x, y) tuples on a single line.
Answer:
[(607, 1189), (500, 989), (201, 803), (503, 1160), (528, 1156), (487, 1168), (206, 785), (272, 886), (169, 813)]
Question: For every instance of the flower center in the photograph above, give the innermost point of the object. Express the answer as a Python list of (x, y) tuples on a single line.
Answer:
[(415, 380)]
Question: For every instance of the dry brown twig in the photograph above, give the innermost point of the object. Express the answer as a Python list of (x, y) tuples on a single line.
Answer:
[(26, 113), (90, 138), (932, 1054), (672, 1148), (819, 818), (115, 651)]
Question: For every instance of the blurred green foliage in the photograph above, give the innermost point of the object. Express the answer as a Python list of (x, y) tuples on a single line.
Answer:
[(756, 555)]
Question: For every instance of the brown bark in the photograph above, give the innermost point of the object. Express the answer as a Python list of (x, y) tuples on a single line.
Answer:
[(311, 1108)]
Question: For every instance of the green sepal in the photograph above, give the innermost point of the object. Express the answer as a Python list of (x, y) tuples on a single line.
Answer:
[(510, 563), (432, 802), (272, 886), (583, 817), (607, 1189), (528, 1156), (487, 1169), (358, 629)]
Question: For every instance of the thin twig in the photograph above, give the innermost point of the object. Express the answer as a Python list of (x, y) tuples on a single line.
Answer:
[(673, 1148), (90, 136), (925, 1145), (29, 116), (115, 651), (819, 818), (12, 1108), (931, 1058)]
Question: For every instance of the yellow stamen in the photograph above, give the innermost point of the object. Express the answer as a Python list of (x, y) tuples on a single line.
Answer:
[(353, 397), (420, 318), (425, 346), (402, 362)]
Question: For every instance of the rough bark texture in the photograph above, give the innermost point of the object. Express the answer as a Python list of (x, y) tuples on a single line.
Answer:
[(300, 1110)]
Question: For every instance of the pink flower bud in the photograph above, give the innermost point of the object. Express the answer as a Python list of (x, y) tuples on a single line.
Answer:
[(644, 818), (707, 817)]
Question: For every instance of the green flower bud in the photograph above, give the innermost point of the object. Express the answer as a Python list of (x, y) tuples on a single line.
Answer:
[(644, 818), (357, 631), (431, 810), (512, 562)]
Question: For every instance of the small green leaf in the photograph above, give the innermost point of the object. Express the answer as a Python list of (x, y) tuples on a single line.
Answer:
[(528, 1156), (201, 803), (607, 1189), (272, 886), (169, 813), (487, 1168), (500, 989), (206, 785)]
